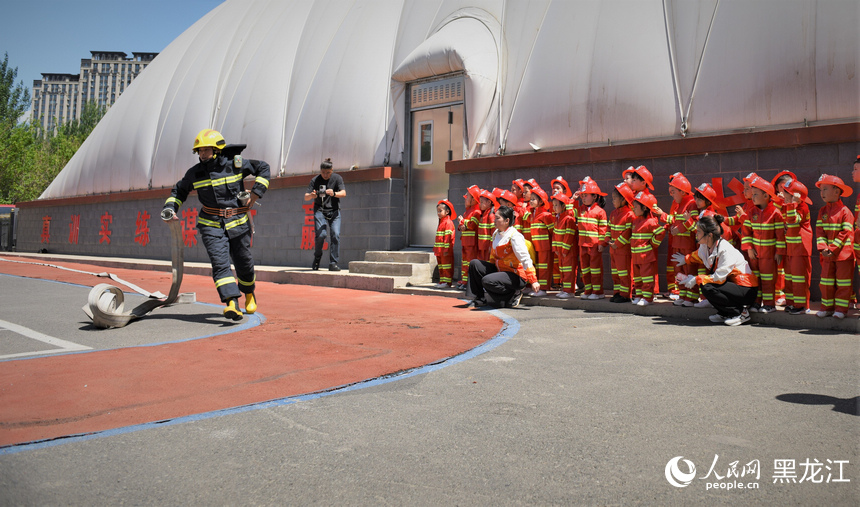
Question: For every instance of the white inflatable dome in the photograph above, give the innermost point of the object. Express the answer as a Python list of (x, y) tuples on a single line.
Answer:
[(301, 80)]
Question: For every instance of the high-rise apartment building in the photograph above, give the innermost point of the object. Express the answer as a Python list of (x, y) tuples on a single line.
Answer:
[(59, 98)]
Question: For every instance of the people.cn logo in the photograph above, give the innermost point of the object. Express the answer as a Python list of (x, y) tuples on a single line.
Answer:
[(678, 478)]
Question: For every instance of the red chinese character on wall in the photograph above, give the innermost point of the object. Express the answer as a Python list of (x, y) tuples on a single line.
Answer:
[(104, 233), (74, 229), (141, 232), (46, 229), (189, 223), (308, 232)]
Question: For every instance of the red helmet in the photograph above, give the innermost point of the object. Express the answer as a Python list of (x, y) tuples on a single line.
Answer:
[(794, 187), (540, 193), (589, 186), (446, 202), (749, 177), (508, 196), (561, 197), (519, 182), (780, 175), (625, 191), (763, 185), (474, 191), (489, 195), (827, 179), (532, 183), (561, 181), (643, 172), (646, 199), (707, 192), (680, 182)]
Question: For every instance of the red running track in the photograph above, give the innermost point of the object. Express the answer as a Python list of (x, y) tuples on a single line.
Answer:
[(313, 339)]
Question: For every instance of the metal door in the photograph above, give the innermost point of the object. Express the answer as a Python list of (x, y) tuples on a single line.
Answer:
[(437, 137)]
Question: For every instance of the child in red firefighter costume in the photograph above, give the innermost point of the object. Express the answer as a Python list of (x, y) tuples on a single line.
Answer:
[(742, 211), (763, 238), (542, 225), (509, 199), (488, 204), (559, 185), (798, 246), (835, 232), (467, 223), (647, 234), (591, 225), (526, 221), (520, 206), (681, 238), (443, 248), (223, 220), (779, 203), (640, 179), (618, 239), (564, 243)]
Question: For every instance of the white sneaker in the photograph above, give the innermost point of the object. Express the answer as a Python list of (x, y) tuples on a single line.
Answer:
[(838, 315), (539, 293), (823, 313), (562, 295), (636, 300), (678, 302), (441, 285), (674, 297), (780, 301), (643, 302), (688, 304), (737, 321), (717, 318), (583, 296), (703, 304), (595, 296)]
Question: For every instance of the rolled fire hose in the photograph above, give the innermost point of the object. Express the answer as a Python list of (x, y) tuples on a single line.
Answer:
[(105, 302)]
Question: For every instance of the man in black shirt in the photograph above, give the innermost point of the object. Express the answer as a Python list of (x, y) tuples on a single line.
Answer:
[(326, 190)]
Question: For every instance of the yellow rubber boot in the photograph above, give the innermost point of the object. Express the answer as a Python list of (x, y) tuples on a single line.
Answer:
[(250, 303), (232, 311)]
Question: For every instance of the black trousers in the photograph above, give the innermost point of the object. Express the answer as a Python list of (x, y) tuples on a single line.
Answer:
[(729, 298), (222, 249), (488, 283)]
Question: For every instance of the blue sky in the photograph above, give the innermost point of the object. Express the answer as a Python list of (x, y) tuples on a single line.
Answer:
[(53, 36)]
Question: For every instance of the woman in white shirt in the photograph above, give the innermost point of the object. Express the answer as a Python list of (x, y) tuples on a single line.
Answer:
[(510, 268), (730, 285)]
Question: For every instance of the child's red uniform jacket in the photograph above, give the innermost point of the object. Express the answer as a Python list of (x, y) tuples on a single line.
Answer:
[(835, 231), (486, 224), (526, 224), (798, 229), (620, 228), (469, 237), (592, 225), (542, 225), (764, 229), (709, 212), (564, 234), (647, 234), (686, 240), (444, 244)]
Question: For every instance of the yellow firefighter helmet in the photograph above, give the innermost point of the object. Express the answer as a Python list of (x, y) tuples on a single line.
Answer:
[(209, 137)]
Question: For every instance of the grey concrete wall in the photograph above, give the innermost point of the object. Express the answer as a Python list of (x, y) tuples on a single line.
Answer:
[(372, 219), (808, 162)]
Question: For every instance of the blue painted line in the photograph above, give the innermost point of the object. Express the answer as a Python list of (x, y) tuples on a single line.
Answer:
[(510, 329), (250, 321)]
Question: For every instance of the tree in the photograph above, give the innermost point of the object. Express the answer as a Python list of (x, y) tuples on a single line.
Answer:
[(14, 99)]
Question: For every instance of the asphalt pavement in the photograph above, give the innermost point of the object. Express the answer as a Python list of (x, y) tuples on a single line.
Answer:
[(564, 406)]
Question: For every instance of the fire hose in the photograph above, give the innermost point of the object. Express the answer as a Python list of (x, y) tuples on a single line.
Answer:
[(105, 302)]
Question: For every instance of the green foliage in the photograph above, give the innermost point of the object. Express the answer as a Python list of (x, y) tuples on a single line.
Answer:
[(29, 158)]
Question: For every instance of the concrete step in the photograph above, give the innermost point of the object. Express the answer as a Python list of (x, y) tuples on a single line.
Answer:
[(343, 279), (403, 256), (416, 273)]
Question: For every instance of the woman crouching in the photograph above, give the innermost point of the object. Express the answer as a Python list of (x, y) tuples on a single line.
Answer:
[(729, 285), (510, 268)]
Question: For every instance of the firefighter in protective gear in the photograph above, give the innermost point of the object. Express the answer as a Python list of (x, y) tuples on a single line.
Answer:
[(223, 221)]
